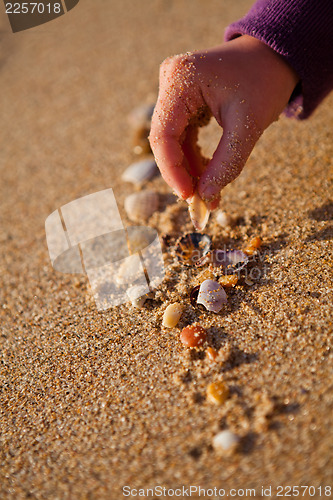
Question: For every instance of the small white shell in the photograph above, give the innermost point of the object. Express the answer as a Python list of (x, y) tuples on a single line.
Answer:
[(137, 295), (225, 441), (222, 218), (140, 171), (172, 315), (140, 206), (212, 296), (199, 212)]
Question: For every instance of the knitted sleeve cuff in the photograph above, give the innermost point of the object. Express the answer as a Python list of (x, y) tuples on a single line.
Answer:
[(300, 31)]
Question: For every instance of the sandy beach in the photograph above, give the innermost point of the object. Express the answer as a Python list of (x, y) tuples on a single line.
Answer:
[(92, 401)]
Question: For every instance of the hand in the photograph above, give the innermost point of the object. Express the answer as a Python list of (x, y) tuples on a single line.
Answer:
[(244, 84)]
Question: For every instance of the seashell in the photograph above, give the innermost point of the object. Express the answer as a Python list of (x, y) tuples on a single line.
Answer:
[(212, 296), (193, 335), (222, 218), (140, 206), (230, 260), (140, 116), (140, 171), (199, 212), (137, 295), (172, 315), (192, 247), (225, 441)]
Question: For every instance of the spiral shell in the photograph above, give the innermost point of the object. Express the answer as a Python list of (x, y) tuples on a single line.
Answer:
[(140, 206)]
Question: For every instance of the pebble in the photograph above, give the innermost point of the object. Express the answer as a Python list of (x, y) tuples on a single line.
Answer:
[(140, 171), (253, 245), (217, 393), (172, 315), (211, 354), (228, 280), (225, 441), (193, 335)]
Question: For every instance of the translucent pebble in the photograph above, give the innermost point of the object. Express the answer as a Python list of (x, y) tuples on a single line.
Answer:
[(140, 171), (225, 441), (172, 315)]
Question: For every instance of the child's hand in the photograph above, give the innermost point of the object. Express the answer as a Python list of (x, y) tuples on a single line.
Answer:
[(244, 84)]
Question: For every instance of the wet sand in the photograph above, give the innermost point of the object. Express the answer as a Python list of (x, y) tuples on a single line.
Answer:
[(93, 401)]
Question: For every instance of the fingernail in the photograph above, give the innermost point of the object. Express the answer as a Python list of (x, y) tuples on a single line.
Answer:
[(178, 193)]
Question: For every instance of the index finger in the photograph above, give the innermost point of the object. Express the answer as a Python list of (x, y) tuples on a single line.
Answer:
[(169, 122)]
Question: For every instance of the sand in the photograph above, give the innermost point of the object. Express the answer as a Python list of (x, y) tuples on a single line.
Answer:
[(93, 401)]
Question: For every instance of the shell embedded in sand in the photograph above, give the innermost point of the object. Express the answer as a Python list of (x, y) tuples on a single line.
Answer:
[(199, 212), (140, 206), (212, 296), (172, 315), (191, 247), (140, 171), (217, 393)]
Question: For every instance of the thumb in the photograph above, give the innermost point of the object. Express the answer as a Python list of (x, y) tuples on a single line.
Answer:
[(238, 139)]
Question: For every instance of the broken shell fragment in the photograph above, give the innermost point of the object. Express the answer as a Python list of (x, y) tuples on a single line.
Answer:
[(172, 315), (192, 247), (199, 212), (140, 171), (212, 296), (140, 206), (193, 335), (137, 295)]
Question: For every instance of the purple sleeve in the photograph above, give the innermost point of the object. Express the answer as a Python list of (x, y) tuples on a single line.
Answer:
[(302, 32)]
